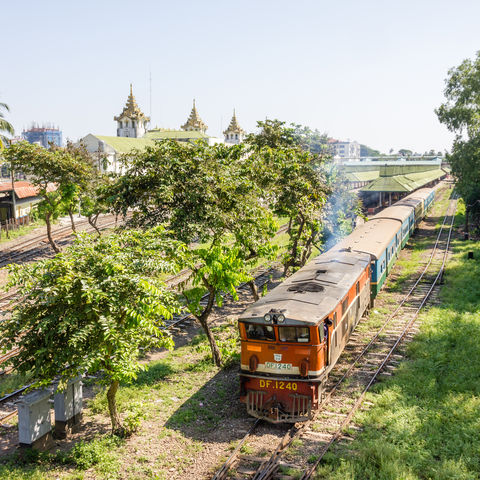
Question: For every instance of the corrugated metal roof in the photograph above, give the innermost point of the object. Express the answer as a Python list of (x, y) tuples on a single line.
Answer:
[(24, 189), (359, 176), (371, 237), (182, 134), (403, 183), (127, 144)]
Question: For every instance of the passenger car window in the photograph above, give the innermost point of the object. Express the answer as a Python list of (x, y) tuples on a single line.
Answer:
[(294, 334), (260, 332)]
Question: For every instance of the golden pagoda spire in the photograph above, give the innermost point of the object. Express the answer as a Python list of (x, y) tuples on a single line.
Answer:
[(194, 122), (234, 126), (131, 110)]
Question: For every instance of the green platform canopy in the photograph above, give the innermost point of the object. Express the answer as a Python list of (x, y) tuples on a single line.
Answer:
[(360, 176), (403, 183)]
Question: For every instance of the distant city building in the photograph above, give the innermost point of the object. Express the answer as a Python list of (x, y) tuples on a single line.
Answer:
[(344, 150), (43, 135), (234, 134)]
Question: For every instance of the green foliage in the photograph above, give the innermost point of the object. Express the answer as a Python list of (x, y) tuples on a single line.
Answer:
[(92, 307), (295, 188), (461, 114), (425, 420), (5, 126), (85, 455), (205, 194), (58, 174), (341, 208)]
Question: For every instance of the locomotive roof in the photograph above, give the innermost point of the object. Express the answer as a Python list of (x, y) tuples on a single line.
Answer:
[(371, 237), (313, 292)]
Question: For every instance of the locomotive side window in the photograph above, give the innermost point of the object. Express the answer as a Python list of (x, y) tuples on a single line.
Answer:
[(357, 288), (344, 306), (260, 332), (294, 334), (334, 319)]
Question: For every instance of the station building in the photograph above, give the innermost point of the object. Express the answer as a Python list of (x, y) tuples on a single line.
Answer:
[(133, 134)]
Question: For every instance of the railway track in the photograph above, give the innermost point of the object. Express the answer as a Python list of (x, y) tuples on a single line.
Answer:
[(261, 277), (365, 359), (34, 248)]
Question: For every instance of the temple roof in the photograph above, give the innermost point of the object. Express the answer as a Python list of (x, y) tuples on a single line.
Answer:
[(131, 110), (234, 127), (194, 121)]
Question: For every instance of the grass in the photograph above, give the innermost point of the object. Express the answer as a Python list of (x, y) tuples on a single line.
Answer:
[(425, 421), (406, 266), (13, 381), (176, 393), (21, 231)]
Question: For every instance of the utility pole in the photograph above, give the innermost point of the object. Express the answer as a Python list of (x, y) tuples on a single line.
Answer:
[(14, 204)]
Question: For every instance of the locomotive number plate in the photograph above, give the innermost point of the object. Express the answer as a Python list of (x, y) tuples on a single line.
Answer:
[(278, 366), (278, 385)]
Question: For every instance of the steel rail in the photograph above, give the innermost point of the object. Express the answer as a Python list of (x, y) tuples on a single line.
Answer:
[(307, 475), (268, 468), (223, 472)]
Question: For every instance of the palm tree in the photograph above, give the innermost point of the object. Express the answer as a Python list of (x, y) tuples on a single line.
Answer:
[(5, 127)]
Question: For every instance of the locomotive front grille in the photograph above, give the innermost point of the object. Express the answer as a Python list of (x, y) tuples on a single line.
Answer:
[(272, 411)]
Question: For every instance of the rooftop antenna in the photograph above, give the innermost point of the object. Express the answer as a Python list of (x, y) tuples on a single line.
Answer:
[(150, 94)]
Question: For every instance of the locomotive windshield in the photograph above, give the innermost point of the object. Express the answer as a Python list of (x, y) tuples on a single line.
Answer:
[(294, 334), (260, 332)]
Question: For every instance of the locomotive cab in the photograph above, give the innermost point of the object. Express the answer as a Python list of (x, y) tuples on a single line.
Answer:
[(292, 337), (277, 360)]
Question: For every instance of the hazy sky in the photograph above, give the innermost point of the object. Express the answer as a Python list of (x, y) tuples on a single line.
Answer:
[(371, 71)]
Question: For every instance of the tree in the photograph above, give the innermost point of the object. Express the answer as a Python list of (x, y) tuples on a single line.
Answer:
[(207, 198), (57, 174), (461, 114), (273, 134), (341, 209), (5, 126), (91, 308), (295, 187), (405, 152), (366, 151), (293, 182), (94, 199), (75, 185)]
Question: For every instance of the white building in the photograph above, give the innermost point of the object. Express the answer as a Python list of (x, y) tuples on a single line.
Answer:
[(234, 134), (132, 134), (345, 150), (131, 122)]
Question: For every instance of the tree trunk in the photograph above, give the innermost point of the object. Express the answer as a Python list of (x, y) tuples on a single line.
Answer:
[(254, 290), (467, 226), (93, 223), (117, 428), (216, 355), (72, 221), (49, 233), (292, 261)]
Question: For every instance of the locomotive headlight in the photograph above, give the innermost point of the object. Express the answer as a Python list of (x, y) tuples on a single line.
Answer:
[(280, 318), (267, 317)]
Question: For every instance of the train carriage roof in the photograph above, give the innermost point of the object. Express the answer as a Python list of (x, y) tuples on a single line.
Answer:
[(371, 237), (313, 292), (395, 212)]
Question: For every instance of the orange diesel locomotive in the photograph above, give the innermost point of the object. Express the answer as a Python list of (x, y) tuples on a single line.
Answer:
[(293, 336)]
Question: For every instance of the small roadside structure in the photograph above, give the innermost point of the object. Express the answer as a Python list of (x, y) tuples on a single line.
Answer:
[(17, 201)]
